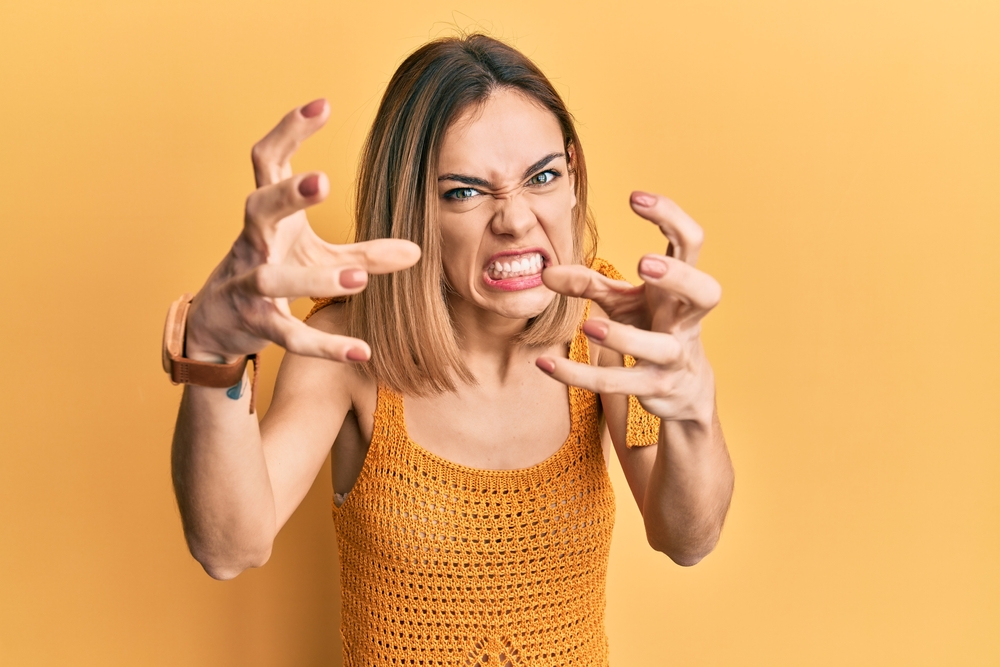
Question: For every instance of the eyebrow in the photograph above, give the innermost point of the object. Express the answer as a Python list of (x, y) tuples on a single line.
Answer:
[(483, 183)]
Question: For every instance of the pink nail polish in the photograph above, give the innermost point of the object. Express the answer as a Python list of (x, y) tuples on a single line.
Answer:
[(642, 199), (356, 354), (652, 268), (309, 186), (313, 109), (352, 278), (596, 330), (546, 365)]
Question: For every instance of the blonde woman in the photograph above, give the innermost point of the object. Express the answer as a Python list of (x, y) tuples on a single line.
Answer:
[(469, 354)]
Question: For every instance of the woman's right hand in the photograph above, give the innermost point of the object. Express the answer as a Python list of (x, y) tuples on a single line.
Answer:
[(278, 256)]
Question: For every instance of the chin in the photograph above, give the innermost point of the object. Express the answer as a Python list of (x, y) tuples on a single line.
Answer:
[(522, 305)]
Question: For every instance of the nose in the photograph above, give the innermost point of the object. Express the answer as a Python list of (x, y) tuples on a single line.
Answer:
[(512, 215)]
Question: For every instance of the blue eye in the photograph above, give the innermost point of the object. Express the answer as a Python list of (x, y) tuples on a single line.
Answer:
[(544, 177), (461, 193)]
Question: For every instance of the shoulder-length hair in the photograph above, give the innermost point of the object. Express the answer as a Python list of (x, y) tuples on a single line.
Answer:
[(404, 316)]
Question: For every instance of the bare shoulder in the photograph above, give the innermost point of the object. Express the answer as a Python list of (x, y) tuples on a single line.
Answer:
[(330, 318), (319, 387)]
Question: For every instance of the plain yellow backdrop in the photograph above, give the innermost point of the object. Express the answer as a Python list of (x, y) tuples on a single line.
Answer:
[(843, 157)]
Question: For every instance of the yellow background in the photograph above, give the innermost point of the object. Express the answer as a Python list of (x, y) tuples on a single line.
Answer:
[(844, 158)]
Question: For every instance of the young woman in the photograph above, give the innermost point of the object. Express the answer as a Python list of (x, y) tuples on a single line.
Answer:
[(472, 529)]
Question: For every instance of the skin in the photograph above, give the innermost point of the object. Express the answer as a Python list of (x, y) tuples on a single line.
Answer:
[(237, 482)]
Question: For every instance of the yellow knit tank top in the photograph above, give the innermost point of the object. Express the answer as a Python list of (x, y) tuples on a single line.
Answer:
[(442, 564)]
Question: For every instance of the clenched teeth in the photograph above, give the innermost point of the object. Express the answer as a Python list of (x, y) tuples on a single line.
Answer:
[(516, 267)]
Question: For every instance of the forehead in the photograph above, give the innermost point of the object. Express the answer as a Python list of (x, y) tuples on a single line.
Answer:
[(500, 137)]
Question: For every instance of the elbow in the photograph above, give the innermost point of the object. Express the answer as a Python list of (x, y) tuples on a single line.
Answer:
[(224, 566), (224, 569), (685, 551), (686, 559), (683, 555), (220, 572)]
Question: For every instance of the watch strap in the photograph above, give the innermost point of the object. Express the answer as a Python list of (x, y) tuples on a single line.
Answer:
[(200, 373)]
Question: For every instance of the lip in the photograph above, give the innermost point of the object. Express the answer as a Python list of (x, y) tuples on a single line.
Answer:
[(520, 283), (513, 284)]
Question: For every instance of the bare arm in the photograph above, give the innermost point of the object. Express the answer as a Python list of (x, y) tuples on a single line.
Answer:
[(221, 482), (683, 484), (237, 482)]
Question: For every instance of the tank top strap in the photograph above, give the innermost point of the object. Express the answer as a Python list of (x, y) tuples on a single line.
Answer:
[(583, 404), (579, 347), (389, 428)]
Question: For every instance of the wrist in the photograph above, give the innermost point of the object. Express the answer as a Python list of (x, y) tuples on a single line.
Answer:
[(205, 369), (198, 346), (197, 352)]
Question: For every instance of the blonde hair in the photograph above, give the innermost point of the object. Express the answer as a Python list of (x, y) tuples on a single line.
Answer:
[(404, 316)]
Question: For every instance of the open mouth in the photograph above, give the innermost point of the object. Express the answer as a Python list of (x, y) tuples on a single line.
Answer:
[(516, 266)]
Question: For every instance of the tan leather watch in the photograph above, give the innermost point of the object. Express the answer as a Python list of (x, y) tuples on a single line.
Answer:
[(201, 373)]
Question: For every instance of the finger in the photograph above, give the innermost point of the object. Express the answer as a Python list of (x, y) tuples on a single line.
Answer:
[(636, 381), (376, 256), (684, 234), (267, 206), (279, 280), (618, 297), (272, 155), (579, 281), (299, 338), (673, 277), (652, 346)]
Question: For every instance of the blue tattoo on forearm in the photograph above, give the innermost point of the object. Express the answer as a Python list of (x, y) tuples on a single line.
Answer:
[(236, 391)]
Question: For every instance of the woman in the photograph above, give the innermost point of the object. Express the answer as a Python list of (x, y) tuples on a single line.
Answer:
[(487, 542)]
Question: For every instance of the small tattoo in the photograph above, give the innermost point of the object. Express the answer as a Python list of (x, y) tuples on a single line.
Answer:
[(236, 391)]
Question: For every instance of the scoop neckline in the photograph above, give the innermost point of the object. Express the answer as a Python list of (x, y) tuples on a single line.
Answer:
[(440, 461), (385, 395)]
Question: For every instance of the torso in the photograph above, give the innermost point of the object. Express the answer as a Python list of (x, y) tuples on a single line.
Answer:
[(443, 562)]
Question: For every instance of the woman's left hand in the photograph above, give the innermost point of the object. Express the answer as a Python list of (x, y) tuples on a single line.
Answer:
[(657, 322)]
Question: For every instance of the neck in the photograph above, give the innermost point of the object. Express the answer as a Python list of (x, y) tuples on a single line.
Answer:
[(487, 338)]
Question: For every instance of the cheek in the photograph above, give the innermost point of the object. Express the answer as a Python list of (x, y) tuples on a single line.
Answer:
[(459, 245), (556, 216)]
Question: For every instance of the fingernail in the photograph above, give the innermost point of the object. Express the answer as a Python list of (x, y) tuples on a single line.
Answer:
[(353, 278), (357, 354), (313, 109), (546, 365), (309, 186), (643, 199), (596, 330), (653, 268)]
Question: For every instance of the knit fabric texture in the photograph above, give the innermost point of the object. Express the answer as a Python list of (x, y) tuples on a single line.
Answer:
[(442, 564)]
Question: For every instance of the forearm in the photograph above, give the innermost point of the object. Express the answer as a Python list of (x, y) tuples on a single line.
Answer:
[(689, 489), (221, 481)]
